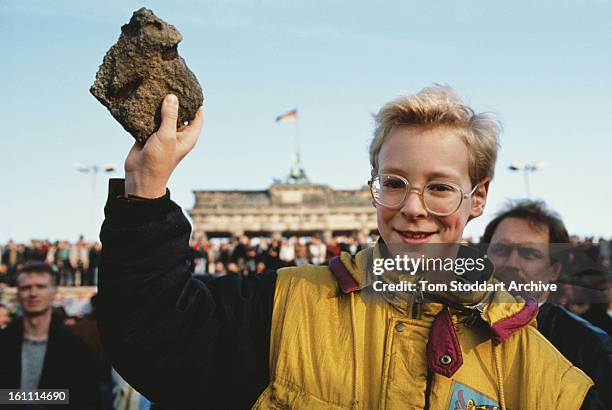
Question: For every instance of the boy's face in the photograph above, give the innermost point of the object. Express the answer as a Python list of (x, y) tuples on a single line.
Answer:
[(423, 155)]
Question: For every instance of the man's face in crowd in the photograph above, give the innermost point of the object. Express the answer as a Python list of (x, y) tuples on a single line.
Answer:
[(422, 155), (520, 251), (5, 317), (35, 293)]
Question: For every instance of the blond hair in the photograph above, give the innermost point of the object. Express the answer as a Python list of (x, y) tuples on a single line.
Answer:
[(441, 106)]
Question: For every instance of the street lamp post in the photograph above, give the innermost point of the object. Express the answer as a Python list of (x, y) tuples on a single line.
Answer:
[(527, 169), (94, 169)]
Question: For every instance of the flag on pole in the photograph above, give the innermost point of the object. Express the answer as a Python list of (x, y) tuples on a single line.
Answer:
[(288, 116)]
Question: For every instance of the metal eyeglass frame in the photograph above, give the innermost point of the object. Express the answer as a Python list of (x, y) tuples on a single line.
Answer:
[(420, 194)]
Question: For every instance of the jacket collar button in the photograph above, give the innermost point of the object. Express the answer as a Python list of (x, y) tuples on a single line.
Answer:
[(446, 359)]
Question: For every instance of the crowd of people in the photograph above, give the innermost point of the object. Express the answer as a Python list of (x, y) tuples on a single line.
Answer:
[(76, 263), (254, 255)]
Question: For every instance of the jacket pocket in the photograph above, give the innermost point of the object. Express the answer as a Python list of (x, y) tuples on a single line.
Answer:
[(279, 396)]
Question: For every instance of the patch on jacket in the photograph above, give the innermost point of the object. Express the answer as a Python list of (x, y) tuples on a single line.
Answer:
[(466, 398)]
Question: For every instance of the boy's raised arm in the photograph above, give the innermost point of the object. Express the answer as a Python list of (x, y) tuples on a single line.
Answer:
[(175, 339)]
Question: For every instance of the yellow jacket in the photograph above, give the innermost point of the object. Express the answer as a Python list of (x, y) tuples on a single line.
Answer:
[(333, 347)]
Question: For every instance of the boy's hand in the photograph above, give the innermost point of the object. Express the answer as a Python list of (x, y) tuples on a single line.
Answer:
[(148, 166)]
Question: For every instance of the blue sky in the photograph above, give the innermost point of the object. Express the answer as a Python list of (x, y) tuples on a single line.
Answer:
[(544, 66)]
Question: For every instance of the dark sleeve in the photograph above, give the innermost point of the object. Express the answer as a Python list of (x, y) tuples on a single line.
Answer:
[(592, 401), (586, 346), (172, 337)]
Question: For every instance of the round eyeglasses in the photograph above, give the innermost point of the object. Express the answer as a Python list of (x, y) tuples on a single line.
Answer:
[(439, 198)]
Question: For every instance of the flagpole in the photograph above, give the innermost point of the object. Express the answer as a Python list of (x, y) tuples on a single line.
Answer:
[(297, 138), (297, 173)]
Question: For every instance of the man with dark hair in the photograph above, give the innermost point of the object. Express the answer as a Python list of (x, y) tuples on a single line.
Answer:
[(537, 215), (519, 240), (523, 233), (38, 352)]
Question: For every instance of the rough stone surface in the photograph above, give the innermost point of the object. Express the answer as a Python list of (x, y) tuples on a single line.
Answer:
[(140, 70)]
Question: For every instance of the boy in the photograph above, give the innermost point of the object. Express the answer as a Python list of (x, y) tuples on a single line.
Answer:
[(306, 337)]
